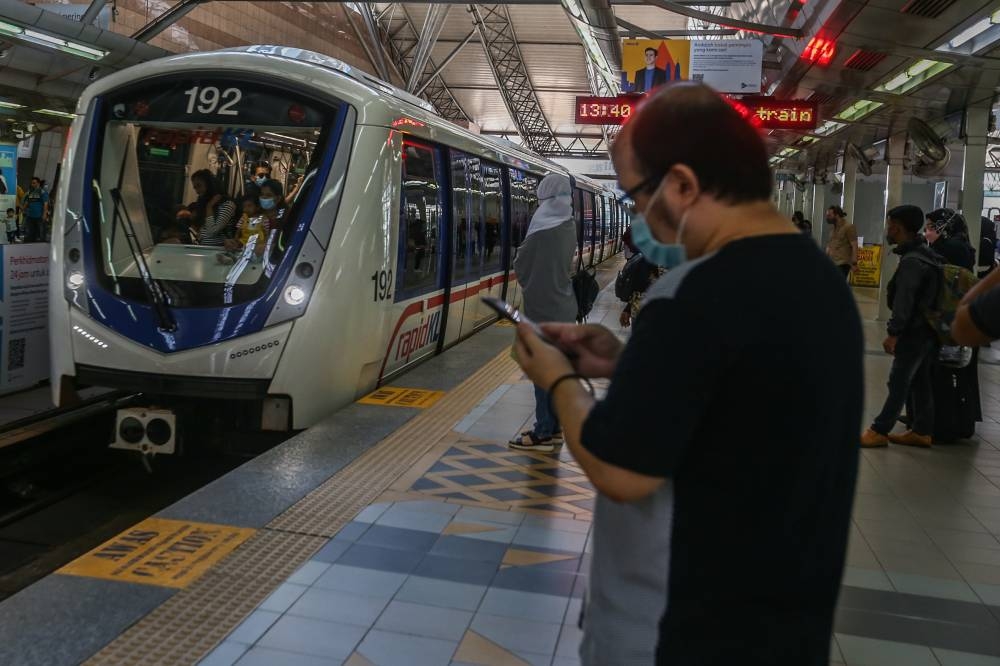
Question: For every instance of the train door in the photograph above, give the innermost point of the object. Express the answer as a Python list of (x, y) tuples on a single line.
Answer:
[(419, 285), (588, 227), (578, 221), (458, 246), (601, 221), (494, 224)]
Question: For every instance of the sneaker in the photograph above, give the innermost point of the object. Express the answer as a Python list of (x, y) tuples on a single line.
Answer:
[(910, 438), (528, 441), (873, 440), (558, 438)]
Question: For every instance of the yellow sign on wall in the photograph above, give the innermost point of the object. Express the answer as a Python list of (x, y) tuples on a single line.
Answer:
[(402, 397), (157, 551), (869, 266)]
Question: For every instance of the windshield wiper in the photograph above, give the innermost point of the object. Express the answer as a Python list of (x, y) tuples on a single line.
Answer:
[(154, 291)]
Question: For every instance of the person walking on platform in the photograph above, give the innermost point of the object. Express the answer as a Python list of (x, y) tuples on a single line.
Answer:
[(543, 266), (36, 203), (911, 341), (842, 248), (722, 426)]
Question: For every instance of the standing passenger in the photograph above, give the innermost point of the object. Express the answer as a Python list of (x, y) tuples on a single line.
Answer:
[(716, 402), (36, 203), (543, 271), (842, 248)]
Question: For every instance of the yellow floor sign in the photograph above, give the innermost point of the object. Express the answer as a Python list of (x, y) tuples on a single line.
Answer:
[(402, 397), (157, 551), (869, 267)]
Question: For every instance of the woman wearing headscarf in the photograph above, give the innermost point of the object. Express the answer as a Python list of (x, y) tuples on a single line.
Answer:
[(543, 267), (214, 213), (948, 235)]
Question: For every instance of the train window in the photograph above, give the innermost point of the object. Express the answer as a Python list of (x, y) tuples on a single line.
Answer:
[(477, 233), (588, 221), (419, 222), (492, 217), (175, 162), (459, 217)]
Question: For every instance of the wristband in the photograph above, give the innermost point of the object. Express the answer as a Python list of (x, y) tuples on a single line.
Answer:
[(560, 380)]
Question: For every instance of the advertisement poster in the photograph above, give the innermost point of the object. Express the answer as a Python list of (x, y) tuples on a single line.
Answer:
[(24, 338), (728, 65), (869, 266), (8, 176)]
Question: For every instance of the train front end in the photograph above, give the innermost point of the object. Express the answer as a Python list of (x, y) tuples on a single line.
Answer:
[(166, 280)]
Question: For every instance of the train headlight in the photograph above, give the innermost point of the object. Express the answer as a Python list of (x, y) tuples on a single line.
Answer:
[(75, 280), (295, 295)]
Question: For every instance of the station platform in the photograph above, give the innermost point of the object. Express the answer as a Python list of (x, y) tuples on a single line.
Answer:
[(410, 535)]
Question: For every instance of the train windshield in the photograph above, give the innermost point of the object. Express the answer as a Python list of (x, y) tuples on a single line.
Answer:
[(201, 187)]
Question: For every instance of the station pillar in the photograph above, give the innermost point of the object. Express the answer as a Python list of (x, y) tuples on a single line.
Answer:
[(977, 120), (850, 185)]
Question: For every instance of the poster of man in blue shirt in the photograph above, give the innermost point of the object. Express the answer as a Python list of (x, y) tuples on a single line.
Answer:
[(651, 76)]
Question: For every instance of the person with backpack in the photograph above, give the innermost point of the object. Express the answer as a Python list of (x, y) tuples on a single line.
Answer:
[(948, 235), (911, 341), (633, 280), (543, 265)]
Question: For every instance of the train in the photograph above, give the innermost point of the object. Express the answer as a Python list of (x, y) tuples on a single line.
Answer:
[(400, 221)]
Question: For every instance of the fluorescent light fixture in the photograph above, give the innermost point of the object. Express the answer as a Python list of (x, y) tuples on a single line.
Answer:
[(51, 41), (10, 105), (913, 76), (808, 139), (971, 32), (53, 112), (858, 110), (788, 152), (828, 128)]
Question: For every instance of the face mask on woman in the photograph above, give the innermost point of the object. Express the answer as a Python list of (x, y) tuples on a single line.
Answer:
[(267, 203), (260, 180)]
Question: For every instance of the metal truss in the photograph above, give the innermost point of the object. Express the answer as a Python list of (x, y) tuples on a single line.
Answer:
[(408, 50), (500, 43)]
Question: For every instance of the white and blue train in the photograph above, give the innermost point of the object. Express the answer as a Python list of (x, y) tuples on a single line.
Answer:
[(401, 222)]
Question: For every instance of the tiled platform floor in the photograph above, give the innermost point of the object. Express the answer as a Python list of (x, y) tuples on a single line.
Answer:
[(479, 554)]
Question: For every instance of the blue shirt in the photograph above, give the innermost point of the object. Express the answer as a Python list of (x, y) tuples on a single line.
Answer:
[(649, 79), (35, 201)]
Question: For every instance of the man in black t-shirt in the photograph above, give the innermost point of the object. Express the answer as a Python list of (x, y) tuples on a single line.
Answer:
[(737, 399)]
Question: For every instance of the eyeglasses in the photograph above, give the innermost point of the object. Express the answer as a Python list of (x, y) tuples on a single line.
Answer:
[(646, 184)]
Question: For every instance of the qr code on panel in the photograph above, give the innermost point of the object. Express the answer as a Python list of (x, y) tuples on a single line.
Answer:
[(15, 354)]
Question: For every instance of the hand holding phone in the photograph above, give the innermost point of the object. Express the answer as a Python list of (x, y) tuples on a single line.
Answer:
[(512, 314)]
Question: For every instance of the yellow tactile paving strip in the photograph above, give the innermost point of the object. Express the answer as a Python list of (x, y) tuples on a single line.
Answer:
[(188, 625)]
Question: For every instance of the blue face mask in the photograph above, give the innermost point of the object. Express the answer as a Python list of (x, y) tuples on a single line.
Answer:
[(266, 204), (260, 180), (667, 255)]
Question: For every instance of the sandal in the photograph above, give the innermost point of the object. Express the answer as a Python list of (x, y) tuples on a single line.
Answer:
[(529, 441)]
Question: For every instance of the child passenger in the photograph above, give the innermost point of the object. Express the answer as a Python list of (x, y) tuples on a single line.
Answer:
[(251, 231)]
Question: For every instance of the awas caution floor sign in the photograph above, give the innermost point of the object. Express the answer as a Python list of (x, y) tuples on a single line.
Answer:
[(157, 551)]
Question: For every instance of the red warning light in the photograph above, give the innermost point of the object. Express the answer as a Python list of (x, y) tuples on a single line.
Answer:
[(296, 114), (406, 122), (819, 51)]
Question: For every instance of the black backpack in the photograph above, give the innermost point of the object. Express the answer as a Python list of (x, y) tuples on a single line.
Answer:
[(633, 277), (586, 289)]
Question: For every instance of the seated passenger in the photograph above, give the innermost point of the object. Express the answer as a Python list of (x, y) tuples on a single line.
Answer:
[(214, 213)]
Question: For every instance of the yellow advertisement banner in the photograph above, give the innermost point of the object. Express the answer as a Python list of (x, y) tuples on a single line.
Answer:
[(869, 266), (157, 551), (647, 63)]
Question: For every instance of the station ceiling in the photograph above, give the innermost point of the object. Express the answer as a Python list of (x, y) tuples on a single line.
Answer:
[(514, 69)]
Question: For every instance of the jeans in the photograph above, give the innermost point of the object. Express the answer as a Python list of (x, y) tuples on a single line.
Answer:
[(546, 421), (32, 230), (910, 374), (846, 270)]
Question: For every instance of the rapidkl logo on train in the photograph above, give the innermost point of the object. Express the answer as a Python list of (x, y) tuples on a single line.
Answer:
[(421, 335)]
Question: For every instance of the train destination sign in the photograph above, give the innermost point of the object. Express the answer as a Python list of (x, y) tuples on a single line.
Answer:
[(605, 110), (770, 113)]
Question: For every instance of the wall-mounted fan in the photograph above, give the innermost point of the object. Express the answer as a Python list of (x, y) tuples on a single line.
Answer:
[(864, 164), (931, 154)]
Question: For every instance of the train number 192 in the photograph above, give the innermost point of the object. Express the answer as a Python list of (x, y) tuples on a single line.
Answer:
[(382, 285)]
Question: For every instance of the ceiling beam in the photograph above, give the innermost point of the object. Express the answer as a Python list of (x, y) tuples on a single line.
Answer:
[(725, 21), (165, 20)]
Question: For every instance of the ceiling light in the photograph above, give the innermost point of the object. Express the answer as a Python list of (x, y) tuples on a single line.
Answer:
[(913, 76), (971, 32), (858, 110), (50, 41), (828, 128), (10, 105), (788, 152), (53, 112)]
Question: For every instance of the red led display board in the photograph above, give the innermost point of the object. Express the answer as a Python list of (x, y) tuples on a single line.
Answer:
[(770, 113), (605, 110)]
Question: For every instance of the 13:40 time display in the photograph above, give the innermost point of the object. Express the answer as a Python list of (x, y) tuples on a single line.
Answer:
[(604, 110)]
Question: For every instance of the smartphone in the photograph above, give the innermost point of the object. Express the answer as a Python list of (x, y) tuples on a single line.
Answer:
[(509, 312)]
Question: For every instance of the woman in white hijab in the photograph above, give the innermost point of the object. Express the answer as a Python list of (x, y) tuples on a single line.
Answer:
[(543, 266)]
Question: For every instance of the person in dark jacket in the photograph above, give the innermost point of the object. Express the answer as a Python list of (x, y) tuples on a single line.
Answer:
[(948, 235), (910, 340)]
